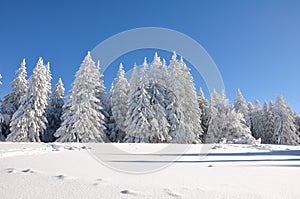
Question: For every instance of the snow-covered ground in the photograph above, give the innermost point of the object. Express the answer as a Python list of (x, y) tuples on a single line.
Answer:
[(39, 170)]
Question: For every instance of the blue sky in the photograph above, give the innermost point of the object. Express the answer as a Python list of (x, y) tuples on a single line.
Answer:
[(255, 44)]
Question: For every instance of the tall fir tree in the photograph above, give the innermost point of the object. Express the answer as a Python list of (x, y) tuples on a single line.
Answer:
[(119, 106), (285, 129), (139, 112), (54, 111), (257, 120), (240, 106), (218, 110), (11, 101), (29, 122), (158, 92), (82, 117), (181, 84), (205, 114), (268, 123)]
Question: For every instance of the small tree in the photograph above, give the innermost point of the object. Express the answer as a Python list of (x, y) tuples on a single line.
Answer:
[(29, 122), (82, 117), (54, 111)]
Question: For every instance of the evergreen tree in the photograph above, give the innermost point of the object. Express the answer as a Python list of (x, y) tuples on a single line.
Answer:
[(257, 118), (240, 106), (29, 122), (82, 117), (159, 102), (250, 108), (139, 112), (11, 101), (181, 84), (218, 112), (192, 112), (226, 125), (285, 129), (205, 114), (54, 111), (103, 96), (119, 106), (268, 123)]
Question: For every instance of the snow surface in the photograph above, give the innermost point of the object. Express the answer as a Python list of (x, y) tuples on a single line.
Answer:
[(69, 170)]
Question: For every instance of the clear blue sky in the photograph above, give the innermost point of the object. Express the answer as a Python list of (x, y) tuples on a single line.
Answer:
[(255, 43)]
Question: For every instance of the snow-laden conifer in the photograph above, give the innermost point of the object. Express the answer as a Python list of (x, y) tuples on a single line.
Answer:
[(29, 122), (11, 101), (226, 125), (257, 120), (54, 111), (82, 117), (119, 106), (181, 84), (285, 130), (240, 106), (205, 113)]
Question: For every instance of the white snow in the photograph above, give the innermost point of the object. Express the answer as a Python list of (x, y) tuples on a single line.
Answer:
[(68, 170)]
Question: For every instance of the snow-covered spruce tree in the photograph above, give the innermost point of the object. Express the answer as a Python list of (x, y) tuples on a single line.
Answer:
[(268, 123), (139, 112), (145, 119), (205, 113), (82, 120), (103, 96), (119, 106), (285, 129), (226, 125), (158, 93), (257, 120), (54, 111), (11, 101), (181, 83), (29, 122), (218, 111), (240, 106), (192, 112)]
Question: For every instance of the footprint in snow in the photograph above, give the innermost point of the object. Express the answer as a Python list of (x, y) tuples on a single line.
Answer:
[(27, 171), (172, 194), (128, 192), (10, 170), (60, 177)]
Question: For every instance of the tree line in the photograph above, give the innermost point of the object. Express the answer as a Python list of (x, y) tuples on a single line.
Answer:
[(159, 104)]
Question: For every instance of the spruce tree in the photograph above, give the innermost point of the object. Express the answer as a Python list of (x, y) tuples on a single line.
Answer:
[(11, 101), (240, 106), (119, 106), (82, 117), (268, 123), (226, 125), (285, 129), (139, 114), (54, 111), (181, 83), (257, 119), (29, 122), (205, 114)]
